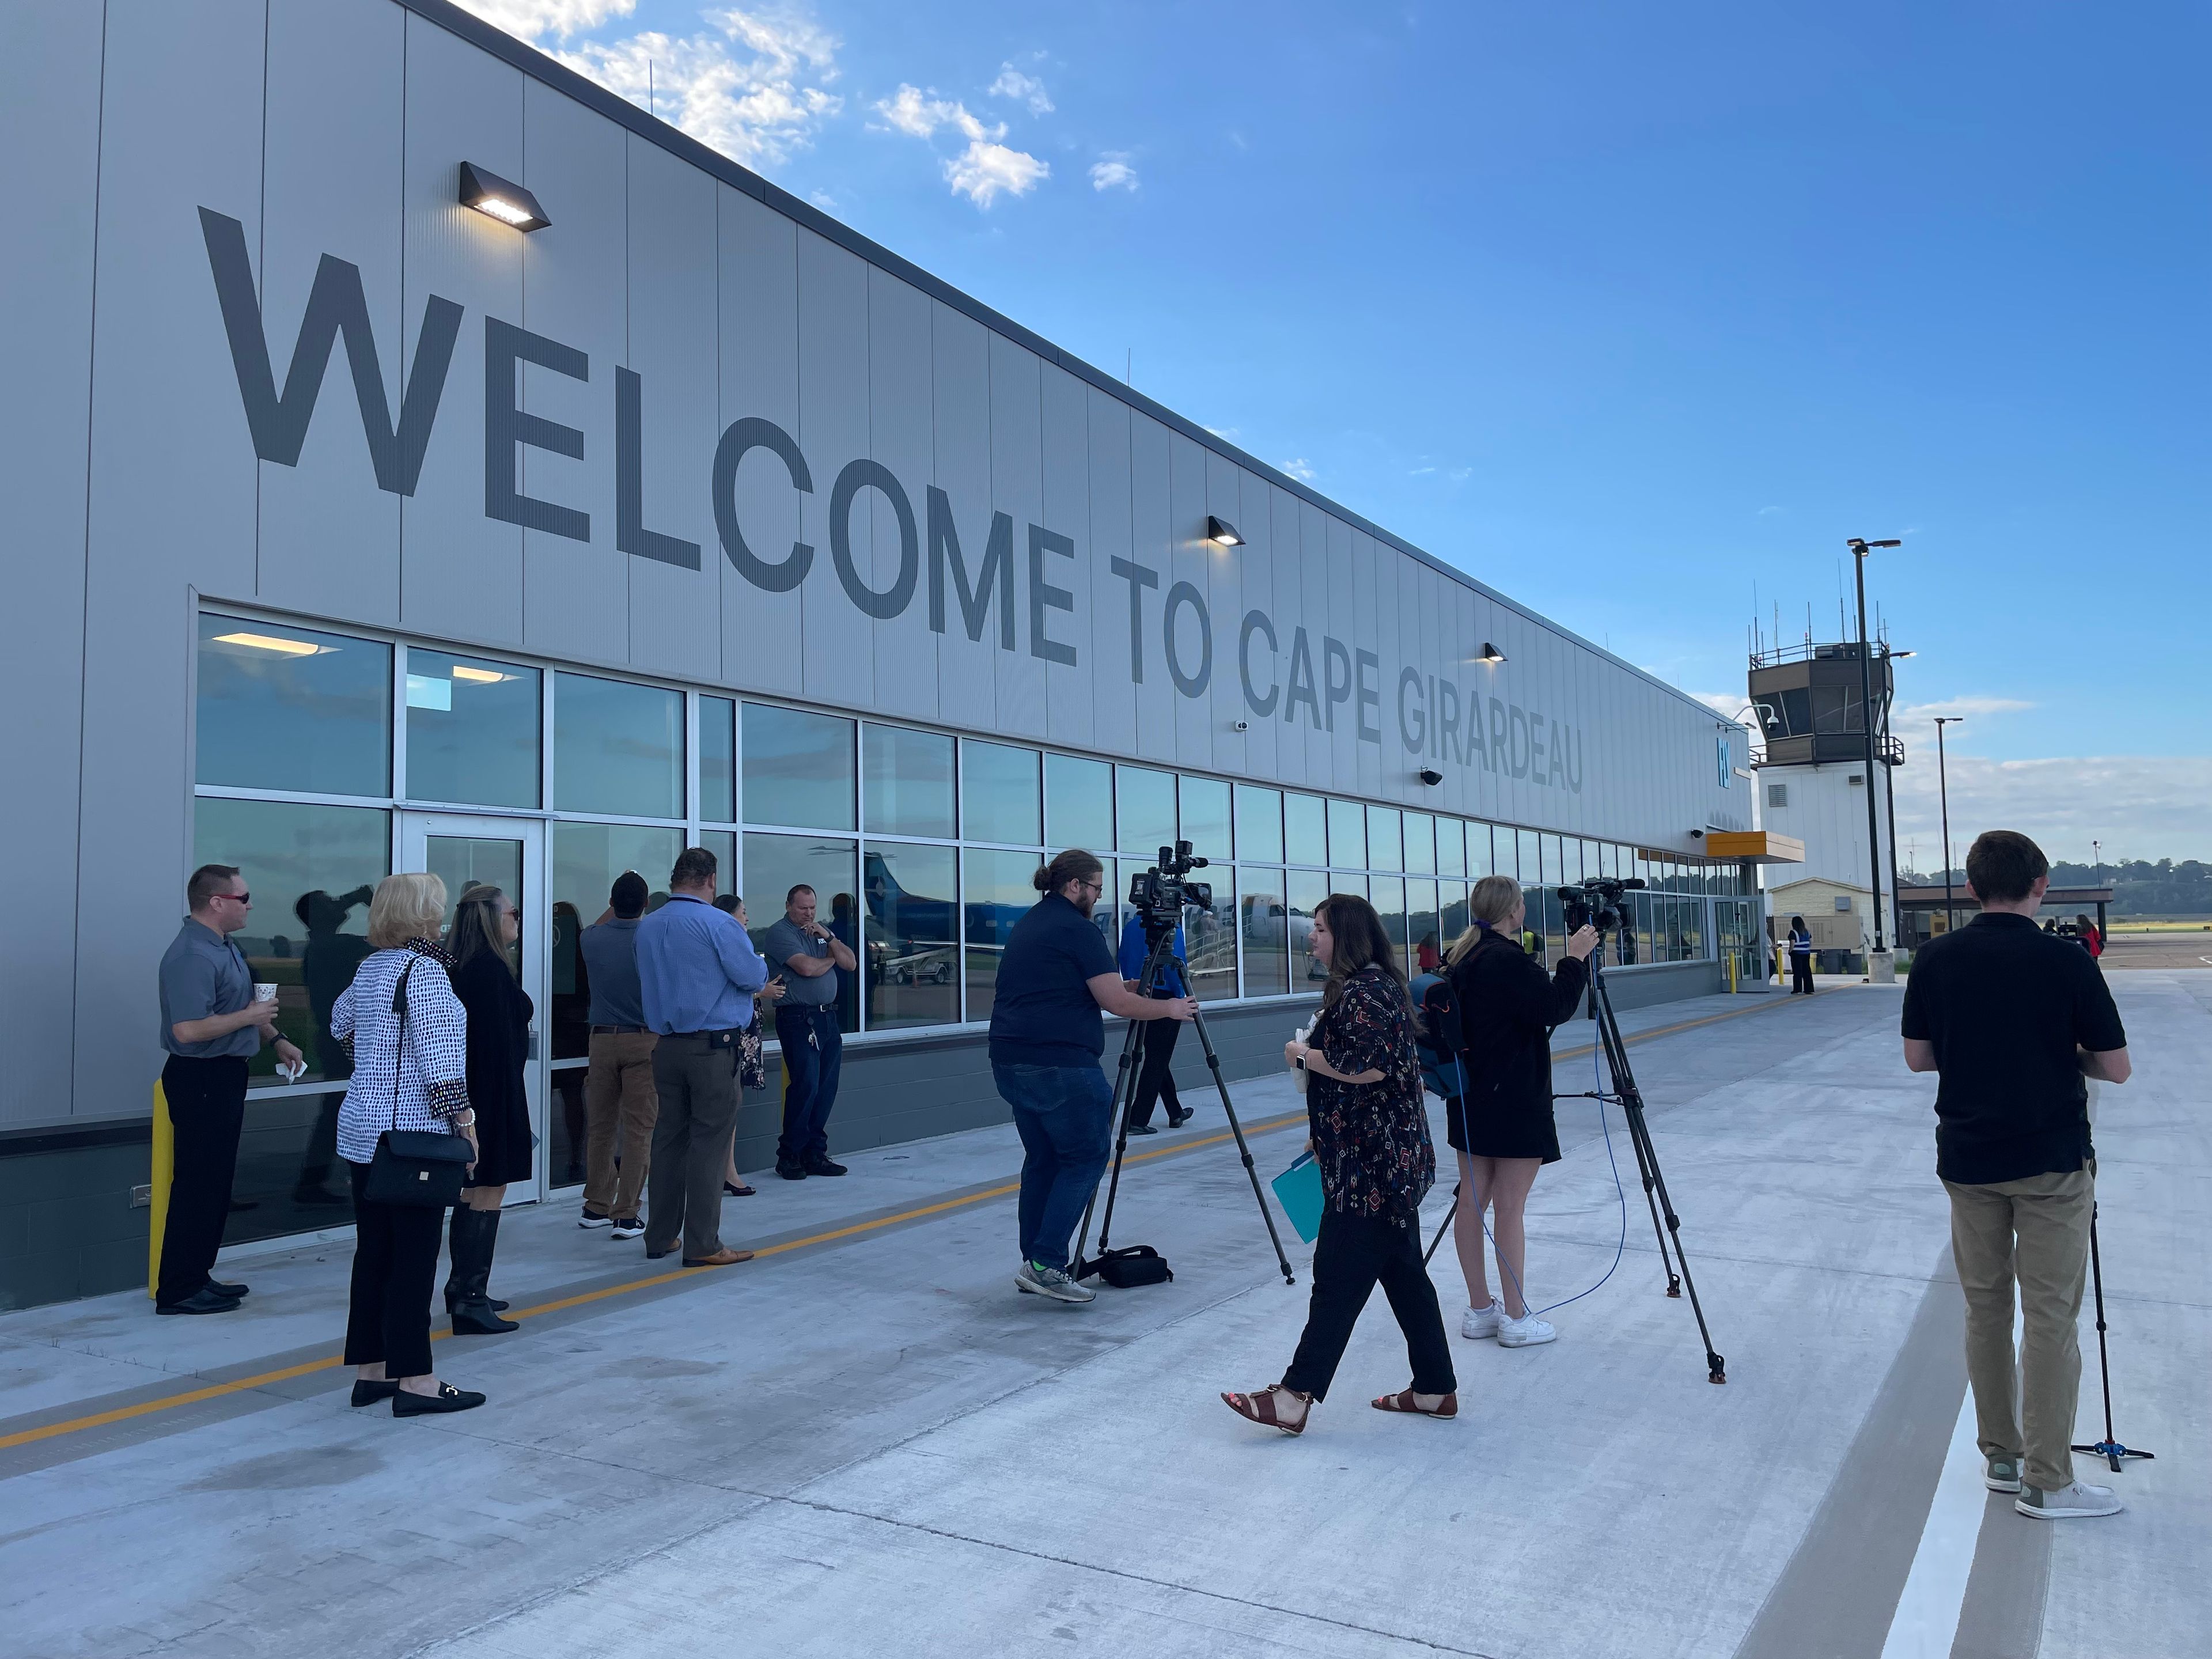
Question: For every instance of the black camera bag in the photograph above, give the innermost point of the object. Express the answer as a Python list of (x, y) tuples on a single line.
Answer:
[(1138, 1264)]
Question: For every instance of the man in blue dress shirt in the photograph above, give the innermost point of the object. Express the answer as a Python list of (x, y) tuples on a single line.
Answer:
[(1155, 1081), (696, 972)]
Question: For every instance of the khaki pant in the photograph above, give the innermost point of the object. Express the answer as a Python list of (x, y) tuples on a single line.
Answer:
[(619, 1090), (2035, 1232), (697, 1081)]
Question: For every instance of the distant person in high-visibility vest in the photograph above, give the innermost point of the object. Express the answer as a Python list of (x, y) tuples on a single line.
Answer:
[(1801, 956)]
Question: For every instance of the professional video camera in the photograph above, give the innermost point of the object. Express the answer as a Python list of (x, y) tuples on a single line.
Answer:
[(1596, 903), (1159, 893)]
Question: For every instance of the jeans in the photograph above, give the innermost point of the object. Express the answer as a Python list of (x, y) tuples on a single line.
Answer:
[(2034, 1233), (206, 1099), (395, 1264), (1064, 1115), (1352, 1254), (813, 1055)]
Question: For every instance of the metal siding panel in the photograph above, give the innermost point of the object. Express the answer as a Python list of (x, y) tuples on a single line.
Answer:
[(1150, 520), (1341, 618), (960, 424), (461, 573), (1070, 695), (1187, 560), (329, 536), (1257, 568), (1286, 563), (675, 626), (758, 356), (1017, 488), (575, 599), (50, 105), (1223, 705), (900, 436), (1113, 729), (833, 430), (171, 492), (1314, 605)]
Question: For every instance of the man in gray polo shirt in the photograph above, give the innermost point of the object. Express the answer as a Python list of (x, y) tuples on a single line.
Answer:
[(211, 1026), (806, 1026)]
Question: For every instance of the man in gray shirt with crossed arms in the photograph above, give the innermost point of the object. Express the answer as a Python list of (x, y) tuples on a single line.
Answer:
[(806, 1027)]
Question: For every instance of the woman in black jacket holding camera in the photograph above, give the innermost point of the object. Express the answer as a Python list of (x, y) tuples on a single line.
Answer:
[(1502, 1128)]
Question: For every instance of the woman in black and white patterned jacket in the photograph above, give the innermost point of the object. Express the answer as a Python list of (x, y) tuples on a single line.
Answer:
[(421, 1083)]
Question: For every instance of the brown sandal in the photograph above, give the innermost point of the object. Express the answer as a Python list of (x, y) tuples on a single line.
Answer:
[(1261, 1408), (1448, 1407)]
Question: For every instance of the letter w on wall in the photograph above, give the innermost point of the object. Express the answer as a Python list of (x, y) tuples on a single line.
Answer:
[(336, 304)]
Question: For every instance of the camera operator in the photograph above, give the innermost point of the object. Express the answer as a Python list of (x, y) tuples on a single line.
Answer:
[(2011, 1019), (1503, 1131), (1156, 1082), (1055, 976)]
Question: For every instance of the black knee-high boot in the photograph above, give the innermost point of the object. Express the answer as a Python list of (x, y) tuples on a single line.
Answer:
[(474, 1236), (454, 1252)]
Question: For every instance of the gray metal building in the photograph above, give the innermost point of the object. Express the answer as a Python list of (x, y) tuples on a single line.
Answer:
[(351, 529)]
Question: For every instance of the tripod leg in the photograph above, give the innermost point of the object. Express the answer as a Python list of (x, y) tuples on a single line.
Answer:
[(2109, 1448), (1451, 1216), (1243, 1152), (1615, 1063), (1133, 1047)]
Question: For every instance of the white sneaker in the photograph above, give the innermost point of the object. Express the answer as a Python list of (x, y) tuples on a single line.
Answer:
[(1052, 1282), (1525, 1331), (1478, 1322), (2068, 1502)]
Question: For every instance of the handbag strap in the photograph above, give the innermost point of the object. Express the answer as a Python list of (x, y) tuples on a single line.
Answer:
[(399, 1042)]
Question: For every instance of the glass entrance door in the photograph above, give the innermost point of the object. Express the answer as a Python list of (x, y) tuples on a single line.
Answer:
[(508, 853)]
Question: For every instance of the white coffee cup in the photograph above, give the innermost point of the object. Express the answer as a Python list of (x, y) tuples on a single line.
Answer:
[(264, 991)]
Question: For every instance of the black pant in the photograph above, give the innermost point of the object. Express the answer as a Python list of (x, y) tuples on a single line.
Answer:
[(207, 1107), (395, 1266), (1800, 974), (1352, 1254), (1154, 1080)]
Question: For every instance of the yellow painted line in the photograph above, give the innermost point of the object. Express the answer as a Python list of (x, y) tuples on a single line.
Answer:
[(263, 1379)]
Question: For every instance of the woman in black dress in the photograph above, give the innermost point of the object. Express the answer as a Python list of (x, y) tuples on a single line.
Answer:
[(1371, 1138), (481, 940), (1502, 1129)]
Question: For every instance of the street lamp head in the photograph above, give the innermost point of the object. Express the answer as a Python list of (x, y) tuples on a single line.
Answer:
[(1859, 545)]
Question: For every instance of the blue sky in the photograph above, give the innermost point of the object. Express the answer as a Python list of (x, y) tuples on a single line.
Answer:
[(1624, 309)]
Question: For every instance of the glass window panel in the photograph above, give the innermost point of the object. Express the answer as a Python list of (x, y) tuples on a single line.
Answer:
[(1209, 940), (1593, 862), (1452, 916), (998, 894), (1421, 843), (1304, 891), (473, 730), (586, 858), (1262, 915), (1205, 818), (1111, 912), (1347, 835), (311, 870), (798, 768), (1348, 881), (729, 874), (1424, 928), (907, 782), (1386, 840), (1479, 860), (1530, 860), (1451, 847), (998, 797), (1555, 864), (1387, 895), (1305, 830), (777, 864), (1144, 809), (285, 1158), (618, 747), (912, 963), (1549, 919), (1259, 823), (1078, 804), (284, 707), (718, 760)]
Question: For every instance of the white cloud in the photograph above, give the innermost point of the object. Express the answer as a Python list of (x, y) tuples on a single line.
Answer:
[(1301, 469), (755, 88), (1729, 705), (1112, 171), (1769, 511), (919, 116), (2139, 806), (982, 170), (1023, 89), (528, 20), (1912, 714)]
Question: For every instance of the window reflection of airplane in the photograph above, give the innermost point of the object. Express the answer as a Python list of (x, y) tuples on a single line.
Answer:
[(1269, 922), (915, 939)]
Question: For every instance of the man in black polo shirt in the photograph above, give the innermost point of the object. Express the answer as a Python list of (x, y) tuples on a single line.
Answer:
[(2013, 1019), (1046, 1040)]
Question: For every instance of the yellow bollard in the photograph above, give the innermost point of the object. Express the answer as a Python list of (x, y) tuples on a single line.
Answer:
[(164, 1169), (1731, 968)]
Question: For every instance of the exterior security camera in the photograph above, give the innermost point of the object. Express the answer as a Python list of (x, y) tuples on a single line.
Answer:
[(1430, 776), (1697, 835), (1239, 725)]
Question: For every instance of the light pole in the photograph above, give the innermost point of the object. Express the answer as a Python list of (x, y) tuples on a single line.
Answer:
[(1943, 788), (2097, 851), (1860, 547), (1889, 780)]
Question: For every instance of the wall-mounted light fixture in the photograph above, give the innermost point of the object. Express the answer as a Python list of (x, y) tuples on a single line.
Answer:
[(1430, 776), (1222, 533), (1490, 653), (1239, 725), (500, 199)]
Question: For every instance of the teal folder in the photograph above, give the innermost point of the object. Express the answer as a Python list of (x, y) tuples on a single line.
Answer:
[(1298, 1189)]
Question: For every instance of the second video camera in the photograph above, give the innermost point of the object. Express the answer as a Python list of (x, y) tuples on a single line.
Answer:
[(1595, 903), (1160, 894)]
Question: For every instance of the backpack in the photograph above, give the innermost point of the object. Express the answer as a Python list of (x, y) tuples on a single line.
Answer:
[(1436, 1032)]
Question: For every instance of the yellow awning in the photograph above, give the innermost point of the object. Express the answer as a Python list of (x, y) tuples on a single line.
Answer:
[(1753, 847)]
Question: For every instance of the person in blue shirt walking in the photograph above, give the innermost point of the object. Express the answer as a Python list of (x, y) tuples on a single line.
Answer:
[(1155, 1081), (1046, 1039), (697, 974)]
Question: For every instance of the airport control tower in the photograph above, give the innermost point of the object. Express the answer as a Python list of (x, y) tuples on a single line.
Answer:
[(1812, 785)]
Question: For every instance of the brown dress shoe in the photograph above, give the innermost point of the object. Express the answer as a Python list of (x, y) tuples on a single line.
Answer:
[(724, 1257)]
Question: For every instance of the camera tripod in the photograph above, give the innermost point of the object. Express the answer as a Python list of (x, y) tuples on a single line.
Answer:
[(2109, 1448), (1627, 1095), (1159, 937)]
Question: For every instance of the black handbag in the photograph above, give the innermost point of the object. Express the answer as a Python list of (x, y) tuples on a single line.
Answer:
[(415, 1168)]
